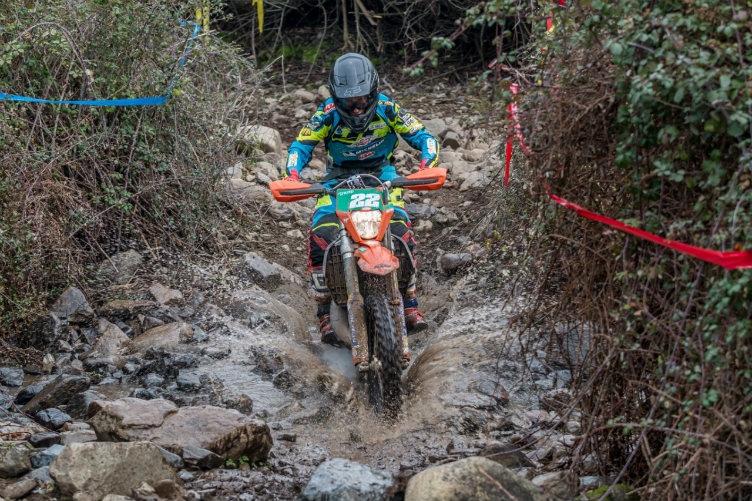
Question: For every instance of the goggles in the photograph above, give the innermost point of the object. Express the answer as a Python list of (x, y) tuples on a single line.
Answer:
[(352, 103)]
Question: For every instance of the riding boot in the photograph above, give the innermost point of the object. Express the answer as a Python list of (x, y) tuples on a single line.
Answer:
[(414, 320), (323, 301)]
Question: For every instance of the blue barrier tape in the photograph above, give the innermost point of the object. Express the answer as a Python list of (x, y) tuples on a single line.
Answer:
[(138, 101)]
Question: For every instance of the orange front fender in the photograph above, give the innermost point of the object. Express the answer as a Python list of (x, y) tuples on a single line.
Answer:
[(375, 259)]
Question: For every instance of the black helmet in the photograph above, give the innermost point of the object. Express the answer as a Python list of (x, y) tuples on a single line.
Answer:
[(354, 76)]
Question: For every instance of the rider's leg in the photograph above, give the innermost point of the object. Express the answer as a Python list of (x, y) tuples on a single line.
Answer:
[(323, 232), (400, 227)]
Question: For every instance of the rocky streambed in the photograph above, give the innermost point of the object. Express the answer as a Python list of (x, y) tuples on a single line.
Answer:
[(206, 380)]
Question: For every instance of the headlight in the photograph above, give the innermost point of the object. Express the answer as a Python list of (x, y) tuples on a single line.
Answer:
[(367, 223)]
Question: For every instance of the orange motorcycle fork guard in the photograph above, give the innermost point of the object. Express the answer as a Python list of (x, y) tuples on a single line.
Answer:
[(375, 259)]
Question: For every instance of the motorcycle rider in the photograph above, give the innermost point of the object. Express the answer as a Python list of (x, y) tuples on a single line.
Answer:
[(359, 127)]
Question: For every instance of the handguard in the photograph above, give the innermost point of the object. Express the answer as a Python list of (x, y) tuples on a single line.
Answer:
[(423, 180), (287, 190)]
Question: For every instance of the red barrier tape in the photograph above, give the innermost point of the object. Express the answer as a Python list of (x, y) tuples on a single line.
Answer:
[(729, 260), (514, 131)]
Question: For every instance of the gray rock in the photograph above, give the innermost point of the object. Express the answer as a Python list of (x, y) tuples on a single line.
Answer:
[(44, 439), (506, 455), (125, 308), (198, 458), (186, 476), (260, 269), (121, 267), (420, 211), (451, 140), (188, 381), (110, 340), (556, 400), (474, 180), (561, 484), (72, 305), (343, 480), (437, 127), (19, 489), (172, 459), (117, 497), (165, 335), (305, 95), (78, 406), (24, 396), (223, 431), (6, 401), (153, 380), (449, 263), (589, 482), (14, 461), (47, 456), (77, 437), (259, 137), (52, 418), (468, 480), (11, 376), (57, 392), (41, 475), (165, 295), (109, 468)]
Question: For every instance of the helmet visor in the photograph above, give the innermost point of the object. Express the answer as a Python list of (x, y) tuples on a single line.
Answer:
[(356, 105)]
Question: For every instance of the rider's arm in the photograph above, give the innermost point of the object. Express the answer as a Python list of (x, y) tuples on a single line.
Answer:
[(317, 128), (415, 134)]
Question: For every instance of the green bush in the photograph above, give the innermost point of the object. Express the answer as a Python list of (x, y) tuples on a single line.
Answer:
[(81, 182)]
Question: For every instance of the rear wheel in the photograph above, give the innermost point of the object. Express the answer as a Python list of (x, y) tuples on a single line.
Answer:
[(385, 374)]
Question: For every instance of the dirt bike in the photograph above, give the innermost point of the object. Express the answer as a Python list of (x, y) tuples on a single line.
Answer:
[(368, 271)]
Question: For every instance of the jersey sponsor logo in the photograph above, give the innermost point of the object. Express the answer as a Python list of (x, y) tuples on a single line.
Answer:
[(366, 155), (377, 126), (386, 103), (431, 146), (329, 107), (305, 131), (292, 160), (362, 142)]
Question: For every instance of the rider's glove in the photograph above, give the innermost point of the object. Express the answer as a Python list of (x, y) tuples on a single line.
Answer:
[(293, 176)]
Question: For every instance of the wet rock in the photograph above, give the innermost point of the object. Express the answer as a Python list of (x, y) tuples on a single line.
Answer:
[(223, 431), (506, 455), (203, 459), (46, 439), (165, 335), (259, 137), (11, 376), (468, 479), (343, 480), (6, 401), (52, 418), (57, 392), (121, 267), (556, 400), (15, 461), (561, 484), (79, 405), (47, 456), (188, 381), (19, 489), (72, 305), (109, 468), (449, 263), (164, 295)]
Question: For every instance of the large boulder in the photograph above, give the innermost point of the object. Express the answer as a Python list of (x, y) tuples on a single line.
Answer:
[(110, 341), (57, 392), (343, 480), (260, 137), (471, 479), (225, 432), (103, 468)]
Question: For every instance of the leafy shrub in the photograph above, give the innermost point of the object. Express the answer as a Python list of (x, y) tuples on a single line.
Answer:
[(80, 182)]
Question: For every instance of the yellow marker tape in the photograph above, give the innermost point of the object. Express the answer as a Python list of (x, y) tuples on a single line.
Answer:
[(202, 17), (260, 12)]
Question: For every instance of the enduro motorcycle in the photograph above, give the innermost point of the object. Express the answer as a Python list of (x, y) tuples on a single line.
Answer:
[(368, 272)]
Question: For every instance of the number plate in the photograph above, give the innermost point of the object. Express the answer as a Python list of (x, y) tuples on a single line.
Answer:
[(350, 200)]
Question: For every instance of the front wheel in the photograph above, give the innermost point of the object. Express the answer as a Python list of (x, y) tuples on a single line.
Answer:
[(385, 374)]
